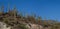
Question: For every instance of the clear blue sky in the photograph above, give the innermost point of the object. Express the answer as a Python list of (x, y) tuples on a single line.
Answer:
[(45, 8)]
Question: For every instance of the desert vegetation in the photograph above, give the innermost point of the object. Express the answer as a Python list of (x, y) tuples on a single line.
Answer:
[(16, 21)]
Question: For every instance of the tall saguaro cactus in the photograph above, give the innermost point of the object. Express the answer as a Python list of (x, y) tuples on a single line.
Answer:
[(8, 9), (2, 9), (15, 12)]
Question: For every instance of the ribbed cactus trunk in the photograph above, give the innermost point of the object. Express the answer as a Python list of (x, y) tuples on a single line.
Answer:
[(8, 9), (14, 13), (2, 9)]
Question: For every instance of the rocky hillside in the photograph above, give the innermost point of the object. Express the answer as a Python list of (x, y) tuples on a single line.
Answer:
[(17, 21)]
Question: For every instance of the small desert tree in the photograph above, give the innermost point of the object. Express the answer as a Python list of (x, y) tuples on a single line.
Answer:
[(39, 20), (45, 23)]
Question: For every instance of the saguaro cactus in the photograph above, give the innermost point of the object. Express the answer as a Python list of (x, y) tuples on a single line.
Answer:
[(15, 12), (2, 9), (8, 9)]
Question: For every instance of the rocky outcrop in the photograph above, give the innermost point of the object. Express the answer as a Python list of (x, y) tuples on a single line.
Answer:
[(4, 26), (34, 26), (28, 25)]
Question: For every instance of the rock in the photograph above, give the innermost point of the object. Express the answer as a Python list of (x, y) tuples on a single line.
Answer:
[(34, 26), (4, 26)]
